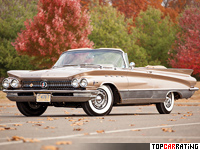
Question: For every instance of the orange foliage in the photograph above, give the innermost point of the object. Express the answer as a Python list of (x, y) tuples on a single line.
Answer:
[(130, 8), (85, 4), (133, 8)]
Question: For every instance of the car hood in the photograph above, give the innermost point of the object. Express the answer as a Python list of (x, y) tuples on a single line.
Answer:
[(48, 73)]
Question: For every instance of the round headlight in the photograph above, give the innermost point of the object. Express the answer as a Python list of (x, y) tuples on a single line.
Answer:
[(83, 83), (14, 83), (6, 83), (75, 83)]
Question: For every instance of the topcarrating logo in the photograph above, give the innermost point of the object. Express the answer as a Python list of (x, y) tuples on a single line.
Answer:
[(174, 146)]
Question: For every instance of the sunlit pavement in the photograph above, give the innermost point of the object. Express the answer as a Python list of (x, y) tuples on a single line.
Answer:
[(72, 128)]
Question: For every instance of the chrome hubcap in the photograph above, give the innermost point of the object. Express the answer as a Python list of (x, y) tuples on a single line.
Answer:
[(168, 101), (101, 100)]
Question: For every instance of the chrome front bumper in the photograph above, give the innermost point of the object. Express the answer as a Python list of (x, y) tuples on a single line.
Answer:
[(77, 95)]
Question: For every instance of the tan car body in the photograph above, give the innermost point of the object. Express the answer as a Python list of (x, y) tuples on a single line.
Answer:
[(130, 85)]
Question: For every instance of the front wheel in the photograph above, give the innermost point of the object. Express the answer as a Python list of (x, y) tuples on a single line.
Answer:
[(102, 104), (31, 108), (167, 106)]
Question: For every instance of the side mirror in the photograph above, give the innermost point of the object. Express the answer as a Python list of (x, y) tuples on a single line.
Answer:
[(132, 65)]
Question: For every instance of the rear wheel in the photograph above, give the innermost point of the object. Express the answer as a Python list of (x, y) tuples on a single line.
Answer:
[(102, 104), (31, 108), (167, 106)]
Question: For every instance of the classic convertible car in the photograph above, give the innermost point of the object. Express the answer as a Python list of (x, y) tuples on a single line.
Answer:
[(97, 80)]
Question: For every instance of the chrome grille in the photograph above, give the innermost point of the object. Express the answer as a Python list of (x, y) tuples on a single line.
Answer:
[(51, 85)]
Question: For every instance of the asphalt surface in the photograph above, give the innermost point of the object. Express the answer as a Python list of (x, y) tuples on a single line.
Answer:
[(74, 129)]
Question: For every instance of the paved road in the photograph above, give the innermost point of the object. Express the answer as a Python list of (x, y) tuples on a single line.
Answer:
[(132, 124)]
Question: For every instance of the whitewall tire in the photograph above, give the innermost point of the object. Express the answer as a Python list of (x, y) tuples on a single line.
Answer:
[(167, 106), (102, 104)]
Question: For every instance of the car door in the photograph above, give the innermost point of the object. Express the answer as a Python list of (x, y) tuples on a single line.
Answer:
[(140, 86)]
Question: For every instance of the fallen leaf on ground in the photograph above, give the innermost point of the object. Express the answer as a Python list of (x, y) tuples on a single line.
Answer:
[(189, 114), (171, 120), (2, 129), (63, 143), (18, 138), (139, 110), (112, 120), (183, 141), (2, 125), (17, 124), (163, 125), (35, 122), (131, 125), (50, 119), (100, 117), (167, 130), (77, 124), (78, 129), (40, 119), (31, 140), (136, 130), (100, 131), (86, 134), (48, 127), (68, 117), (71, 120), (183, 118), (82, 118), (86, 120), (49, 147), (66, 112), (18, 114), (10, 128)]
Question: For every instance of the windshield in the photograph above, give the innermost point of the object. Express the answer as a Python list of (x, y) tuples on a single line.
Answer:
[(96, 57)]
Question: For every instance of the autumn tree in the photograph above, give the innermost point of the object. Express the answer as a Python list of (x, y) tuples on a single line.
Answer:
[(178, 5), (110, 31), (155, 35), (12, 16), (186, 51), (131, 8), (58, 26)]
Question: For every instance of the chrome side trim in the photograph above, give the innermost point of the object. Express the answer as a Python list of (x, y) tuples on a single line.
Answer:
[(158, 89), (142, 101), (151, 96)]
